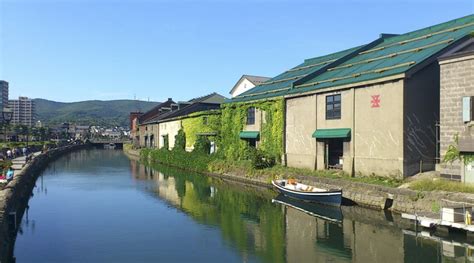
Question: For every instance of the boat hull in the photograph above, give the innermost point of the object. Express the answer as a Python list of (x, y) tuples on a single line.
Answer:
[(328, 197)]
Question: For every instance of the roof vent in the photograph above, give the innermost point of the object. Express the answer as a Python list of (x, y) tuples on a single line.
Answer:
[(385, 35)]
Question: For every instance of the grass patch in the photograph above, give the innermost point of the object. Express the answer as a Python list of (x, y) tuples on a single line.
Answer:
[(244, 168), (435, 207), (441, 185), (212, 163)]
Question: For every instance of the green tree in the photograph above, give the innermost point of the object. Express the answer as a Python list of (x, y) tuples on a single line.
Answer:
[(180, 141), (202, 145), (166, 142)]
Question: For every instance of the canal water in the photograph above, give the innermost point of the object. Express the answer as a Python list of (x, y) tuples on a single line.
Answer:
[(101, 206)]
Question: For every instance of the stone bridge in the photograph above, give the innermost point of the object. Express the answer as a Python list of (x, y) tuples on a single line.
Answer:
[(110, 143)]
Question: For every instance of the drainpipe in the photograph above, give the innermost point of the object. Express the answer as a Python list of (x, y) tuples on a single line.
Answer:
[(284, 161), (316, 127), (353, 132)]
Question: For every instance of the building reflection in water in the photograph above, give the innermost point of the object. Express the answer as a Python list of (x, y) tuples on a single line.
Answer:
[(250, 222)]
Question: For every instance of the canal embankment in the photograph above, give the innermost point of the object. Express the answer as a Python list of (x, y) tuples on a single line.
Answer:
[(371, 195), (14, 196)]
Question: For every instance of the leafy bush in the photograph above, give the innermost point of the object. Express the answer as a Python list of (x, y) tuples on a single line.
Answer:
[(454, 154), (262, 160), (186, 160), (180, 141), (166, 142), (5, 164), (249, 153), (202, 145)]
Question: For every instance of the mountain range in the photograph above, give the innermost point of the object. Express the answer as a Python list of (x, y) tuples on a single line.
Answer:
[(93, 112)]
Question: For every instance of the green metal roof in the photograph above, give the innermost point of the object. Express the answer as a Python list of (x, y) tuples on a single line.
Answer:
[(280, 84), (332, 133), (249, 134), (393, 56)]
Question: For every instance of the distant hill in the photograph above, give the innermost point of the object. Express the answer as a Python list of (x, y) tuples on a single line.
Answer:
[(92, 112)]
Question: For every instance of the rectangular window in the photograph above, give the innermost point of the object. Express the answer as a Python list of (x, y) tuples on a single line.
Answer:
[(333, 107), (251, 116), (472, 108), (466, 109)]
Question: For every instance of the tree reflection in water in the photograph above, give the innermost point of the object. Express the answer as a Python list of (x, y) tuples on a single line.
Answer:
[(242, 221), (250, 222)]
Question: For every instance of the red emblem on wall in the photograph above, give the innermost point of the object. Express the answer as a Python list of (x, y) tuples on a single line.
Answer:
[(375, 101)]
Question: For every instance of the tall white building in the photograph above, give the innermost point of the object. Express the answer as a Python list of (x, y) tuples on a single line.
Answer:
[(23, 111), (3, 94)]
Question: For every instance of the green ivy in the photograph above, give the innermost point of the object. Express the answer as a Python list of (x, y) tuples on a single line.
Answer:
[(166, 142), (202, 145), (180, 141), (201, 122), (271, 134), (454, 154)]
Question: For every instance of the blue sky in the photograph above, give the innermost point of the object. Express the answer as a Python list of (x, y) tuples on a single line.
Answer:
[(72, 50)]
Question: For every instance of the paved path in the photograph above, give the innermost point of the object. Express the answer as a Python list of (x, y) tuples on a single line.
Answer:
[(19, 162)]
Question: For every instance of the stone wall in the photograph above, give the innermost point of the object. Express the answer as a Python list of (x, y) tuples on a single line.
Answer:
[(457, 81)]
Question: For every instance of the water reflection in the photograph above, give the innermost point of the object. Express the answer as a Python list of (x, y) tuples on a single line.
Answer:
[(294, 231), (244, 215), (167, 211)]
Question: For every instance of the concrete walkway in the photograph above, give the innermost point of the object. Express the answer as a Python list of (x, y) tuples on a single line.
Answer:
[(19, 162)]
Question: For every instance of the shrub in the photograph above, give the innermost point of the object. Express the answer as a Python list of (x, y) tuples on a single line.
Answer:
[(202, 145), (180, 141), (166, 142), (249, 153), (262, 160), (186, 160)]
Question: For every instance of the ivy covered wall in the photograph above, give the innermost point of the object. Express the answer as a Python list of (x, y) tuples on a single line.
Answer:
[(271, 134), (196, 123)]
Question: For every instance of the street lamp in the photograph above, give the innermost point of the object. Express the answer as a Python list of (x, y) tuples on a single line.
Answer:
[(7, 115)]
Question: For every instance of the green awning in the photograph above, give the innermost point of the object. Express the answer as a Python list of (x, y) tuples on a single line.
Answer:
[(249, 134), (332, 133)]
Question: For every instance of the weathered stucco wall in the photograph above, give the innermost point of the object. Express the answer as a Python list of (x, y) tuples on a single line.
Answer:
[(171, 129), (376, 143), (457, 81), (346, 121), (378, 132), (300, 125), (259, 114)]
